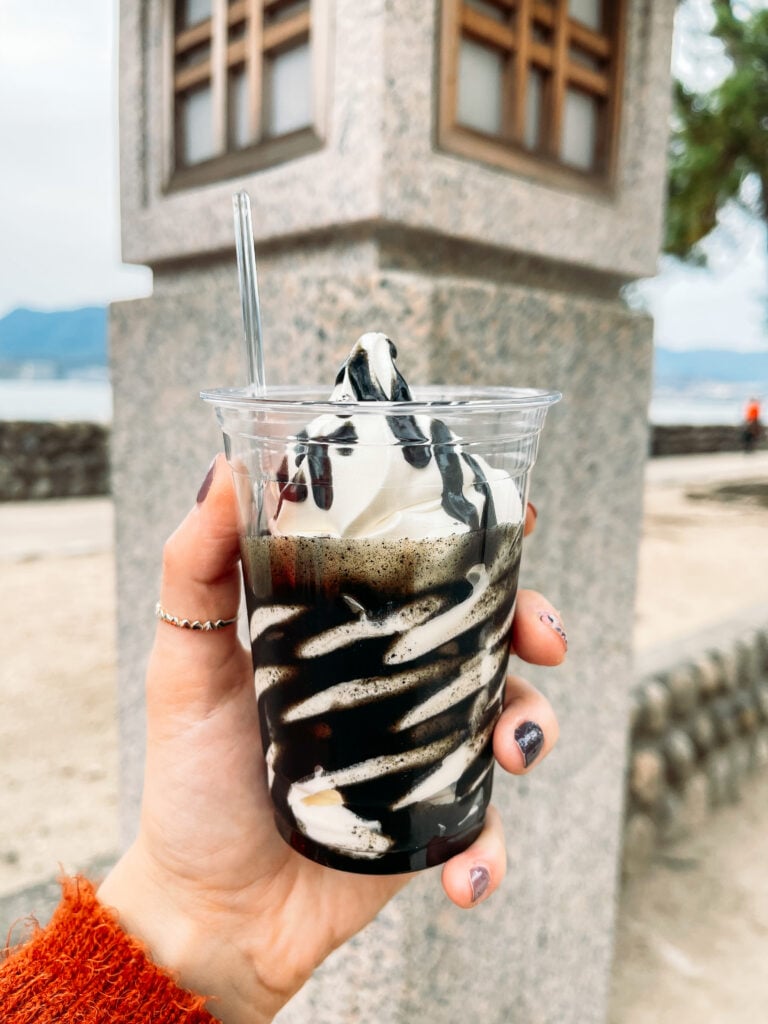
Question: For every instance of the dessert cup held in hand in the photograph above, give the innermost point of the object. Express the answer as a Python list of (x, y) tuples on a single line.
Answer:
[(380, 546)]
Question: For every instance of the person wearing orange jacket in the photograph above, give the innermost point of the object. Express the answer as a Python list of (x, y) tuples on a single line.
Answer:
[(752, 428)]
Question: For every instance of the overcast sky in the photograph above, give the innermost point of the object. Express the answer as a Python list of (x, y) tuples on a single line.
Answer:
[(58, 157), (59, 207)]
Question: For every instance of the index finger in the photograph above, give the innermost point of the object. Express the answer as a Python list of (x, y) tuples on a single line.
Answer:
[(201, 581)]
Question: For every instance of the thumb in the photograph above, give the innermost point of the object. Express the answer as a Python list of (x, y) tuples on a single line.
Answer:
[(201, 581)]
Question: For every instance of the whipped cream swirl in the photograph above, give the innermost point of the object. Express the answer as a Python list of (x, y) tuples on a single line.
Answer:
[(395, 476)]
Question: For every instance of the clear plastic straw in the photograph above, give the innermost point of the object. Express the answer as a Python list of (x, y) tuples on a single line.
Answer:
[(249, 290)]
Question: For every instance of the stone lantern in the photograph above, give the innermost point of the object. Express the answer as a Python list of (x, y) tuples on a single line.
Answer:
[(478, 179)]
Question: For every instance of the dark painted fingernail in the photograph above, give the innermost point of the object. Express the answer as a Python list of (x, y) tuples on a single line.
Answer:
[(206, 484), (534, 510), (479, 880), (554, 623), (530, 739)]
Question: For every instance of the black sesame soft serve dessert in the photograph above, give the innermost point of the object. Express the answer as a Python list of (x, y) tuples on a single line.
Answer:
[(381, 537)]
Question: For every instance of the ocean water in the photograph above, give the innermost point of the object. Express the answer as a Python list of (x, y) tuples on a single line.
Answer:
[(672, 410), (704, 403), (56, 400)]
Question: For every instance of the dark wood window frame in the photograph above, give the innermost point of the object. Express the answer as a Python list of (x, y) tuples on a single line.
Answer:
[(516, 41), (243, 34)]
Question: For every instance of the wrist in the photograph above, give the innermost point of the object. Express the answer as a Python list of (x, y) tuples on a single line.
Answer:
[(184, 938)]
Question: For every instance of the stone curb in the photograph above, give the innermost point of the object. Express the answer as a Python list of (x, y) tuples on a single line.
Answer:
[(699, 729)]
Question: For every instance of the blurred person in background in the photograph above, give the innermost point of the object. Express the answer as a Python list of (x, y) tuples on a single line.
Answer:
[(753, 428)]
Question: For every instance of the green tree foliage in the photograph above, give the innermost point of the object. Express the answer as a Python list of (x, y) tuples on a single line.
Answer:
[(720, 137)]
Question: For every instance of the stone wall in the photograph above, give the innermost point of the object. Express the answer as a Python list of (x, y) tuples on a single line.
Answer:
[(53, 460), (689, 440), (699, 728)]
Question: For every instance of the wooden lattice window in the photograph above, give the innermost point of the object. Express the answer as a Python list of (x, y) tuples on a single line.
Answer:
[(533, 85), (246, 85)]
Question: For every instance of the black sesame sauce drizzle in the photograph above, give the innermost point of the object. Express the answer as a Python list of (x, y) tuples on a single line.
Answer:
[(413, 443)]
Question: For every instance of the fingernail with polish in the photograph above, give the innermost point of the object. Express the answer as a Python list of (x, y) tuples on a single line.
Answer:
[(206, 484), (530, 739), (479, 880), (554, 623), (534, 510)]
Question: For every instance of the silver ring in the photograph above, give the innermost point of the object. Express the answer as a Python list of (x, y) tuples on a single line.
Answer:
[(207, 626)]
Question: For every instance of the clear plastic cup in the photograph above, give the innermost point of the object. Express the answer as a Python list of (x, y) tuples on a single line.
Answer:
[(380, 642)]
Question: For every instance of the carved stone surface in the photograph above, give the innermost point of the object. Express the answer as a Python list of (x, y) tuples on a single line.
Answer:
[(655, 703), (682, 683), (647, 776), (640, 839), (680, 754), (380, 161)]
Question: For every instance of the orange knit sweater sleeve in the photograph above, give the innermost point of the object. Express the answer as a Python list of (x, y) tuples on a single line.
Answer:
[(83, 969)]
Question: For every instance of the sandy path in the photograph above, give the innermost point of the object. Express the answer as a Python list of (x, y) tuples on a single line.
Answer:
[(58, 734), (692, 937), (701, 561)]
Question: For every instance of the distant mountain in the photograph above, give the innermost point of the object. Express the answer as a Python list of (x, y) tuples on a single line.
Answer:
[(678, 368), (55, 344)]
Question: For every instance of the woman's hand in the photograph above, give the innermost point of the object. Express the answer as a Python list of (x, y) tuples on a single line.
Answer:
[(209, 884)]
